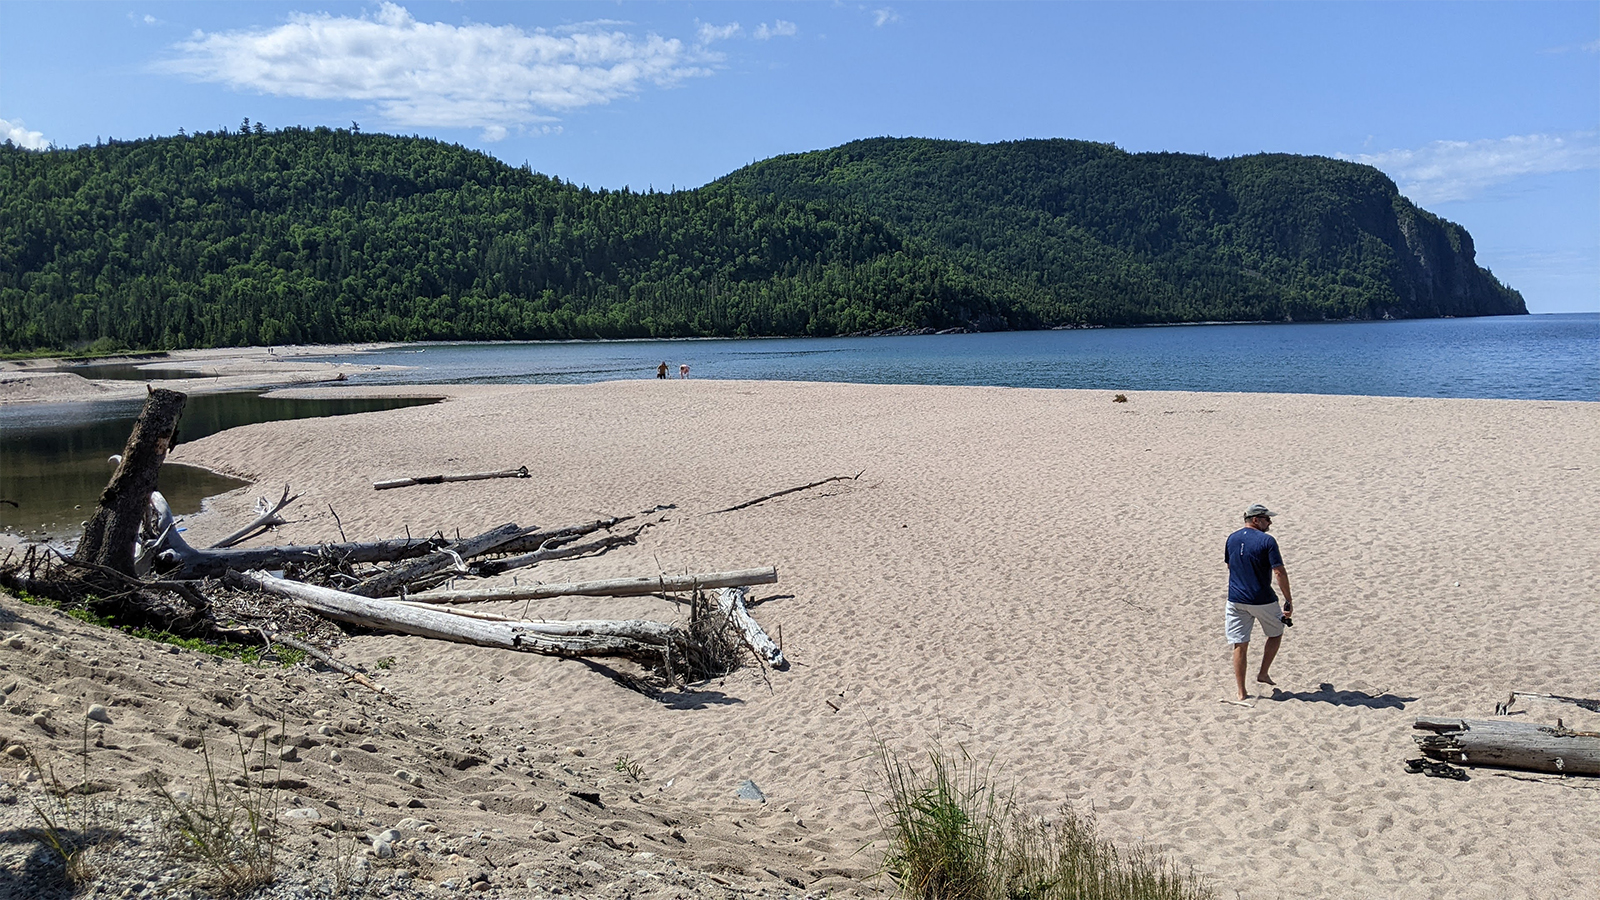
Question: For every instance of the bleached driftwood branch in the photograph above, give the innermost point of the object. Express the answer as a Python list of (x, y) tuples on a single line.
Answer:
[(731, 601), (266, 518), (519, 472), (617, 587), (636, 639)]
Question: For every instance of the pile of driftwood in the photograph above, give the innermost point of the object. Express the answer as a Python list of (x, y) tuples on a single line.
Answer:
[(133, 564)]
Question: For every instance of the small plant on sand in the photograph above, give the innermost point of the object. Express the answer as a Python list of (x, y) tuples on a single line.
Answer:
[(72, 825), (954, 836), (227, 826), (629, 767)]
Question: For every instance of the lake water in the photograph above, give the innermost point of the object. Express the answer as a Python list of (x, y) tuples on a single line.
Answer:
[(1545, 357), (53, 456)]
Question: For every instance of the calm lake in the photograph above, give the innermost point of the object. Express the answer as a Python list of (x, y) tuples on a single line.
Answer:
[(1546, 357), (53, 456)]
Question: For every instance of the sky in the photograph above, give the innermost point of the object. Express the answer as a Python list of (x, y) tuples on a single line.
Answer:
[(1487, 114)]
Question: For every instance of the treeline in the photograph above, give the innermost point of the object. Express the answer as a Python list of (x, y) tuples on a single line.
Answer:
[(323, 235)]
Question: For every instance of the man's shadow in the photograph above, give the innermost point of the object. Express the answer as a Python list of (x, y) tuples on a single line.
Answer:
[(1326, 693)]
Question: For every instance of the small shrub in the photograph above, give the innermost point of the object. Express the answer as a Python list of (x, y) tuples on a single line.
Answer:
[(629, 767), (72, 824)]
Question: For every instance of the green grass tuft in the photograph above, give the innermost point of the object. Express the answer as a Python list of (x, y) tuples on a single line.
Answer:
[(954, 836)]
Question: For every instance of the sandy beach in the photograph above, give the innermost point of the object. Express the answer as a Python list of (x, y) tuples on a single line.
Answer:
[(1034, 577)]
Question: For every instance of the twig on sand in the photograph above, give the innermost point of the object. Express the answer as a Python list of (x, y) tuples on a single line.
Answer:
[(750, 503)]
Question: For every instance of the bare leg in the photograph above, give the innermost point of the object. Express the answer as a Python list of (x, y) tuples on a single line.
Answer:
[(1239, 653), (1268, 651)]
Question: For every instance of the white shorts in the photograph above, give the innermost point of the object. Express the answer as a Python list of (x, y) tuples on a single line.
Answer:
[(1241, 617)]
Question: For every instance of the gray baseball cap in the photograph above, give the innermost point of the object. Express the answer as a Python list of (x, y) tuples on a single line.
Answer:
[(1257, 509)]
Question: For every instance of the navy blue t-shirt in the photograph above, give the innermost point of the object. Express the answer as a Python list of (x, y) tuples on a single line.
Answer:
[(1252, 555)]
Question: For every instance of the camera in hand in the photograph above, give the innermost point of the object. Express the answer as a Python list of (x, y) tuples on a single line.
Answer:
[(1288, 622)]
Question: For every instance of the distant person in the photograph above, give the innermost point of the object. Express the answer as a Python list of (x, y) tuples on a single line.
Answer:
[(661, 370), (1253, 561), (683, 370)]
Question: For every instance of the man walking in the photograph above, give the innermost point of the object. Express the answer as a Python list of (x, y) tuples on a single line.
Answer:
[(1253, 561)]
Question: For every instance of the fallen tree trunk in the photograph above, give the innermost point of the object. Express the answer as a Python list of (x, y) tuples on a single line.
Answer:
[(650, 642), (1528, 746), (563, 551), (617, 587), (731, 600), (521, 472), (454, 555), (534, 541), (111, 533)]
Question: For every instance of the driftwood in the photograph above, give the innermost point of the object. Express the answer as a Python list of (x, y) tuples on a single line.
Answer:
[(317, 654), (1501, 709), (111, 533), (173, 556), (731, 601), (557, 551), (521, 472), (455, 555), (647, 641), (617, 587), (534, 541), (804, 487), (266, 519), (1528, 746)]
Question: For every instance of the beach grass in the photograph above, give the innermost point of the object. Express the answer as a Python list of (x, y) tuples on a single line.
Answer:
[(953, 834)]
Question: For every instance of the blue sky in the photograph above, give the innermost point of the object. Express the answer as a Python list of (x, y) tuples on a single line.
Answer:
[(1485, 113)]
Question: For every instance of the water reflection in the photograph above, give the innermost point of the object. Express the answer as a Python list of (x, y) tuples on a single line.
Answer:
[(54, 456)]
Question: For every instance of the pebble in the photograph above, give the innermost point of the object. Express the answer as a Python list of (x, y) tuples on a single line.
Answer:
[(289, 754), (10, 686), (383, 849), (17, 751), (306, 814), (410, 778), (41, 720), (15, 643), (749, 791), (335, 756), (478, 804), (367, 746), (99, 714)]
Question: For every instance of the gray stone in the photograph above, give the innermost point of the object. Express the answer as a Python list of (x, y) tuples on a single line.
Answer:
[(749, 791), (306, 814)]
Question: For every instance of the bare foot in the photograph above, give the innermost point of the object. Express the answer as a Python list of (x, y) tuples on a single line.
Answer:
[(1265, 680)]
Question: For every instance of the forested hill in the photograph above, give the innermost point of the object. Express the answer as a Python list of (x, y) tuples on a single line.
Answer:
[(322, 235), (1075, 231)]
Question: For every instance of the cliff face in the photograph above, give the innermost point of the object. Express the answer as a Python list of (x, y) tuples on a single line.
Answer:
[(1444, 276), (1069, 231)]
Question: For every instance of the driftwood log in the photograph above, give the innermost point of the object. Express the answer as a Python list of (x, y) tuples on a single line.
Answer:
[(176, 559), (1528, 746), (111, 533), (520, 472), (731, 601), (616, 587), (556, 550), (453, 556), (642, 640)]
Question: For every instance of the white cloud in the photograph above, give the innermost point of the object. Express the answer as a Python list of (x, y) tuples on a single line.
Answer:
[(884, 16), (710, 33), (1461, 170), (435, 74), (778, 28), (18, 133)]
